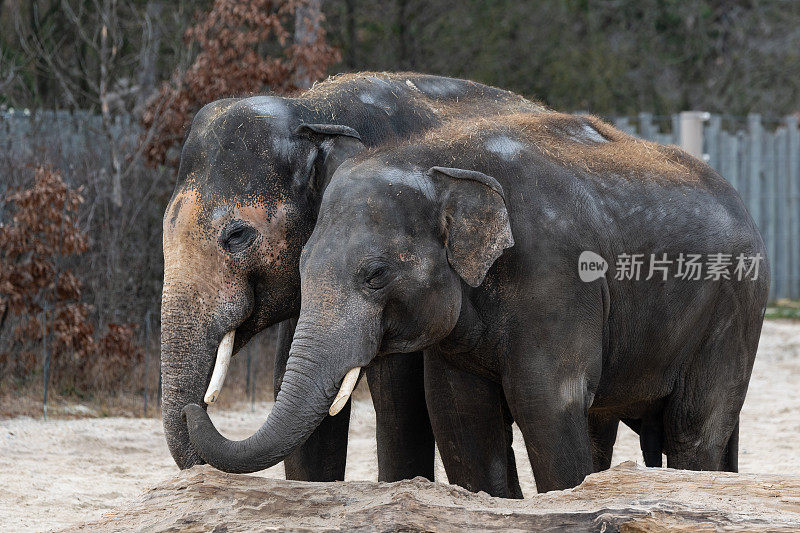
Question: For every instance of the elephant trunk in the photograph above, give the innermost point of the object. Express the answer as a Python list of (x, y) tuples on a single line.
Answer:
[(319, 379), (186, 359)]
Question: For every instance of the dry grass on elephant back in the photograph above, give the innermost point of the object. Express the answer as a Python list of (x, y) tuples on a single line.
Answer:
[(569, 140)]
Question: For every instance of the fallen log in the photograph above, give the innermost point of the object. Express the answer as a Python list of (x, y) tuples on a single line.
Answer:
[(627, 498)]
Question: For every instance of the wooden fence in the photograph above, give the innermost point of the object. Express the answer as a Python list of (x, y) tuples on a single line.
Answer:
[(761, 158)]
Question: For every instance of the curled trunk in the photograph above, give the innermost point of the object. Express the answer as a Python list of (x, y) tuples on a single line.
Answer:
[(299, 409), (310, 384)]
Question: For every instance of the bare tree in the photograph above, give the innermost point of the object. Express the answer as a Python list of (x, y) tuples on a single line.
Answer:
[(98, 73), (307, 31), (149, 53), (108, 53)]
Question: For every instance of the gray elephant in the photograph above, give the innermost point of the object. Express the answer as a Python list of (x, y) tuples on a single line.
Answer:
[(474, 243), (251, 178)]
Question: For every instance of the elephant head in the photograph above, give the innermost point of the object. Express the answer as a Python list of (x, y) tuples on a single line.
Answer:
[(248, 189), (382, 273)]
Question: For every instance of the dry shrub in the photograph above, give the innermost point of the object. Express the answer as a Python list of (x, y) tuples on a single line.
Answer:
[(117, 356), (37, 283), (244, 48), (42, 233)]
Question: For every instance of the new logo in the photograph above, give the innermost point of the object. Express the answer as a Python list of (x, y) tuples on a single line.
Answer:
[(591, 266)]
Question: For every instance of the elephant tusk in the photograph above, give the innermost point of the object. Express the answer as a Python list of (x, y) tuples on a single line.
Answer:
[(220, 367), (348, 384)]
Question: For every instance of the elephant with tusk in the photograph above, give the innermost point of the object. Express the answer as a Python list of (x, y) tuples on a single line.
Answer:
[(252, 175), (466, 241)]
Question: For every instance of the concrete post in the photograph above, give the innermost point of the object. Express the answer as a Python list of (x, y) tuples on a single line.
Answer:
[(691, 134)]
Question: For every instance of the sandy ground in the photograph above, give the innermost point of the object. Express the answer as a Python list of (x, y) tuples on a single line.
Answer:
[(59, 472)]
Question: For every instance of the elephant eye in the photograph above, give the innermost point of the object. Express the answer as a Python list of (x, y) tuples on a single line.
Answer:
[(237, 237), (377, 276)]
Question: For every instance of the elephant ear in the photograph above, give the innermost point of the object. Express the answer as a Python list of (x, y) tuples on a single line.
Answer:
[(335, 143), (328, 130), (474, 220)]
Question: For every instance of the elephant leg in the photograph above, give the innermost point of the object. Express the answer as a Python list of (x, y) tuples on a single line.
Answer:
[(692, 446), (549, 401), (557, 440), (701, 415), (473, 430), (323, 456), (512, 476), (732, 451), (651, 438), (403, 432), (603, 435), (700, 435)]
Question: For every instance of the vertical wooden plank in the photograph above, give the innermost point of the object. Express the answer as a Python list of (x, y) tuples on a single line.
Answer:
[(782, 216), (793, 179), (712, 142), (768, 207), (753, 168), (692, 128), (742, 166), (723, 167), (730, 160), (742, 153), (646, 126), (676, 129)]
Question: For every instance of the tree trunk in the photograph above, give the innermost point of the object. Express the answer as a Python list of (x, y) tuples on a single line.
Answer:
[(402, 34), (350, 22), (107, 54), (149, 53), (307, 20)]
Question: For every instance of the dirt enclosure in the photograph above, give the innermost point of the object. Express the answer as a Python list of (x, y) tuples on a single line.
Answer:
[(61, 472)]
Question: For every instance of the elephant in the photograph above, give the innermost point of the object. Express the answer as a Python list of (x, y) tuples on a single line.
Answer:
[(251, 177), (502, 248)]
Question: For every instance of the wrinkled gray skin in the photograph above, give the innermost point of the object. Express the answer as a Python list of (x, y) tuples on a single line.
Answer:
[(249, 186), (408, 254)]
